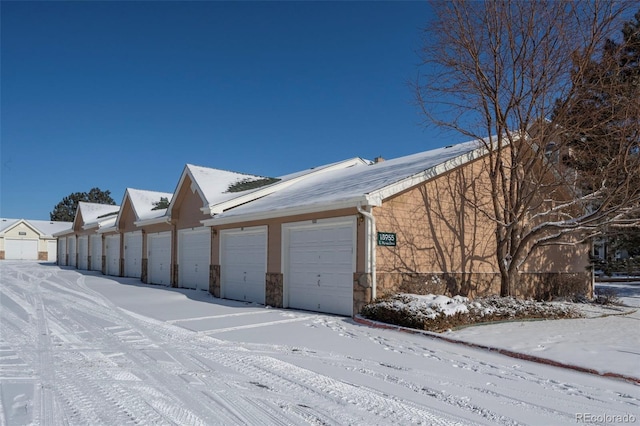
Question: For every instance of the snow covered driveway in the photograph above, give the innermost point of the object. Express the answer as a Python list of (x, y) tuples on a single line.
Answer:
[(84, 349)]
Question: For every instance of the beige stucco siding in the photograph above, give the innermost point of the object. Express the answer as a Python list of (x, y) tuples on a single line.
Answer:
[(186, 212), (127, 218), (446, 242), (438, 229)]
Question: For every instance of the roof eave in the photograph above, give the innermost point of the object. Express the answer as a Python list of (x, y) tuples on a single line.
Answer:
[(62, 233), (428, 174), (153, 221), (292, 211)]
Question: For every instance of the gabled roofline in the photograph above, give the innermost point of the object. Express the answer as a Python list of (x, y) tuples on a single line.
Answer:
[(96, 222), (194, 187), (26, 223), (218, 208), (124, 198)]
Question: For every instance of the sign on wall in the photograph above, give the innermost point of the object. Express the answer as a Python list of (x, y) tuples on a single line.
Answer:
[(387, 239)]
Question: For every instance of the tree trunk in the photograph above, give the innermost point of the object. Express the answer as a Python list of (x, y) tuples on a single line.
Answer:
[(505, 284)]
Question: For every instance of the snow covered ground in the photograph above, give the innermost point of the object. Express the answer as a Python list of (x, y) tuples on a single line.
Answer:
[(85, 349)]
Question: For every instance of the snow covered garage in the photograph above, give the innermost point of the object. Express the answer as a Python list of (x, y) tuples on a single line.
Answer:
[(83, 244), (340, 240), (146, 235), (22, 239), (237, 258), (31, 239), (199, 188)]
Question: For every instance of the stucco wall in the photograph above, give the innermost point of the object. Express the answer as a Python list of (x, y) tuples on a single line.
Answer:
[(446, 243), (186, 211)]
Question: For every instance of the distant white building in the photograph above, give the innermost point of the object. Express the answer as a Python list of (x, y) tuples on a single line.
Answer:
[(24, 239)]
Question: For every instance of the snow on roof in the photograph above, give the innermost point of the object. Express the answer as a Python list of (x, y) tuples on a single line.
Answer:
[(50, 227), (93, 212), (107, 224), (354, 183), (237, 198), (214, 183), (144, 202), (44, 227), (7, 223)]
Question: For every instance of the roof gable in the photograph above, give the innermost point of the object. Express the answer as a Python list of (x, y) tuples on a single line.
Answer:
[(89, 214), (44, 228), (212, 185), (19, 222), (143, 203)]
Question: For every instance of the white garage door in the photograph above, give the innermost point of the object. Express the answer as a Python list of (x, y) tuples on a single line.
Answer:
[(71, 249), (62, 251), (95, 241), (21, 249), (83, 252), (243, 264), (52, 250), (112, 251), (319, 265), (133, 254), (159, 258), (194, 254)]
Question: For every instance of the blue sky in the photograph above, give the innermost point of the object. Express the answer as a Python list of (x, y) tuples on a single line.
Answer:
[(124, 94)]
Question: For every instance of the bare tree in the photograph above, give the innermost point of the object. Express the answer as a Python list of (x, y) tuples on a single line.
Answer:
[(494, 71)]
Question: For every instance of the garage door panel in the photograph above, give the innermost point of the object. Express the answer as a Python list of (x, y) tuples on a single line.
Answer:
[(71, 248), (83, 252), (95, 241), (62, 252), (20, 249), (112, 252), (320, 267), (159, 258), (194, 259), (133, 254), (244, 264), (52, 251)]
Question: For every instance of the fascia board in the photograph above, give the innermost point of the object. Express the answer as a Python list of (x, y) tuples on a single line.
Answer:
[(153, 221), (27, 224), (214, 209), (377, 196), (91, 225), (124, 198), (107, 229), (363, 200), (10, 227), (63, 233)]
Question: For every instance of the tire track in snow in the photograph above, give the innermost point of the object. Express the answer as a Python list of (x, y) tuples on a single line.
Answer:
[(290, 379), (279, 374)]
